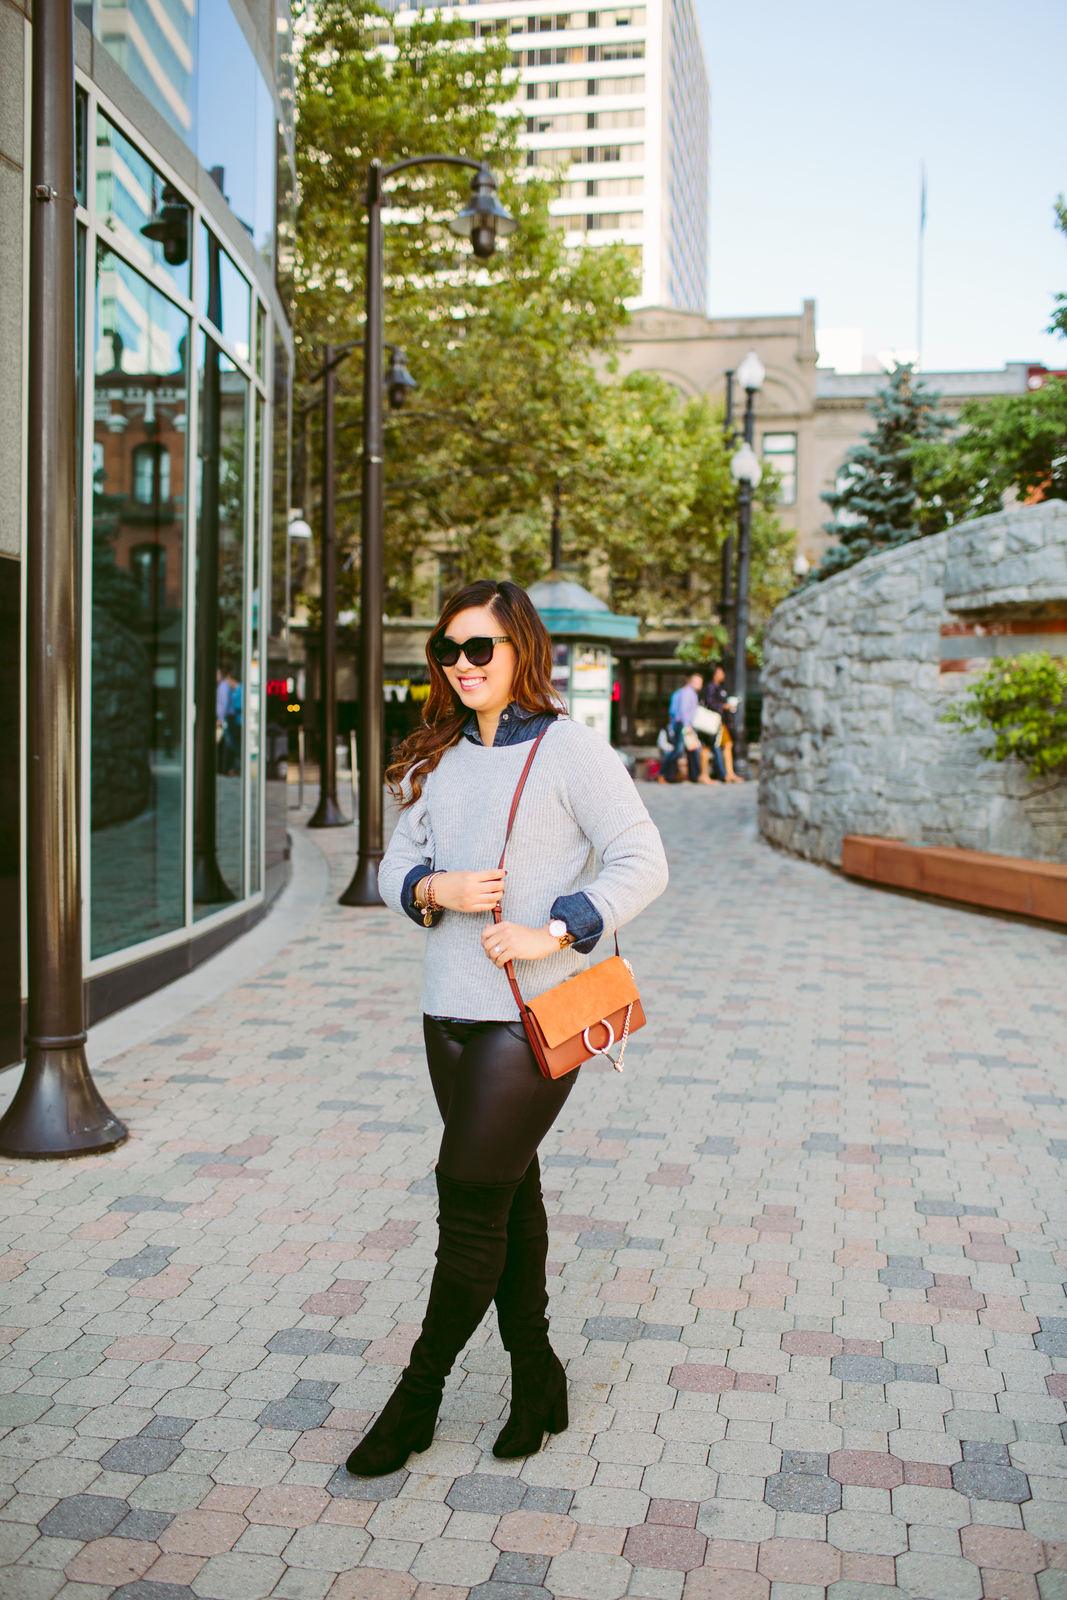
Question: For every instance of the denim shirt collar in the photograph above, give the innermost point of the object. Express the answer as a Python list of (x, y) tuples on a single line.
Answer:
[(516, 726)]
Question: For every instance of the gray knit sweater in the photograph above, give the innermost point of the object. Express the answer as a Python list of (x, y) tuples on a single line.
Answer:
[(579, 806)]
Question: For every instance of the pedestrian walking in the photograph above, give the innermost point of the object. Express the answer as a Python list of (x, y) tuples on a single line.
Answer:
[(716, 699), (455, 779), (713, 699), (223, 698), (681, 734), (231, 736)]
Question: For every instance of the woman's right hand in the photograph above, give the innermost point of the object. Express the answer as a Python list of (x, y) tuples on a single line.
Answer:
[(469, 891)]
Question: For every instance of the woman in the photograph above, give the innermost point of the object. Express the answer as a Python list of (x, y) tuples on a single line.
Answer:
[(490, 695), (716, 699)]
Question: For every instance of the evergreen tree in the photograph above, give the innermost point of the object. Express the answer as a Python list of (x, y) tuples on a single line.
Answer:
[(875, 502)]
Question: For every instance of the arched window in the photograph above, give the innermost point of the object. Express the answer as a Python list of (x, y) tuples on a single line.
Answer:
[(151, 474), (148, 566)]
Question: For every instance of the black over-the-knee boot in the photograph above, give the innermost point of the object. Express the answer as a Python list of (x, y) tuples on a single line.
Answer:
[(538, 1381), (471, 1251)]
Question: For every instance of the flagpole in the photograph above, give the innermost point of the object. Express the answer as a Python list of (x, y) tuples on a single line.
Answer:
[(919, 289)]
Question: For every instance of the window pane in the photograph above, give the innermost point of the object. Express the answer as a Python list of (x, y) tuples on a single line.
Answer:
[(235, 121), (255, 656), (278, 698), (138, 610), (780, 450), (225, 296), (154, 42), (261, 341), (131, 195), (218, 809)]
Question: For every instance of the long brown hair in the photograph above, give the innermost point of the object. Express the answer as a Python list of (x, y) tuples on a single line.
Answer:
[(444, 714)]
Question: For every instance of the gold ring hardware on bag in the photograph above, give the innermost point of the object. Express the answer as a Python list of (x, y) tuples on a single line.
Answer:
[(600, 1050), (557, 1023)]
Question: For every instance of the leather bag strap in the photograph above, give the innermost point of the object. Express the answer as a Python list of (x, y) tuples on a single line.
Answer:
[(517, 796), (508, 968)]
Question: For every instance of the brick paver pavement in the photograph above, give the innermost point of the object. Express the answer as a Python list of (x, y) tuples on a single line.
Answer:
[(808, 1270)]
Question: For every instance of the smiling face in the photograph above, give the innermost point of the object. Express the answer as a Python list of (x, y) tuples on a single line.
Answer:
[(486, 689)]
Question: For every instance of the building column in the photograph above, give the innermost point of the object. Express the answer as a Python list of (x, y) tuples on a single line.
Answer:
[(57, 1110)]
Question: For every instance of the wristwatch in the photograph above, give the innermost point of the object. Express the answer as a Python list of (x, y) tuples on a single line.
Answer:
[(558, 929)]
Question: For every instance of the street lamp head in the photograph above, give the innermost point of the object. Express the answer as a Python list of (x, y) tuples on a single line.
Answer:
[(298, 528), (483, 219), (751, 373), (801, 565), (745, 467), (170, 227), (398, 379)]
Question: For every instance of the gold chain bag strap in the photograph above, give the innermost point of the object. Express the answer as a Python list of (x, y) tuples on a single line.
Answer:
[(602, 1001)]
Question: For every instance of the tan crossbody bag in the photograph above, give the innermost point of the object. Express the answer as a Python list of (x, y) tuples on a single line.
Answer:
[(585, 1015)]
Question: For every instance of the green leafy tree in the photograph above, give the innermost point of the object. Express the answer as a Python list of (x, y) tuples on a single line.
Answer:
[(1013, 444), (1023, 701), (876, 502), (519, 423)]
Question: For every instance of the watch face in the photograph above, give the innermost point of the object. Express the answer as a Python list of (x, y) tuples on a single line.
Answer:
[(557, 928)]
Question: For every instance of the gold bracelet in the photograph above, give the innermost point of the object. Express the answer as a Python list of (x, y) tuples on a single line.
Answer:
[(430, 907)]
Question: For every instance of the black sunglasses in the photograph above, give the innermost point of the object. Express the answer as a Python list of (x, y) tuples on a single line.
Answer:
[(479, 652)]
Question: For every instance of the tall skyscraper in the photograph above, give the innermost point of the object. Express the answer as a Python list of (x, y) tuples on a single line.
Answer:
[(617, 100)]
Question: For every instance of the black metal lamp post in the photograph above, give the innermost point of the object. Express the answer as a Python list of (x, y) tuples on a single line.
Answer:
[(747, 472), (726, 606), (327, 813), (57, 1109), (482, 220), (398, 381)]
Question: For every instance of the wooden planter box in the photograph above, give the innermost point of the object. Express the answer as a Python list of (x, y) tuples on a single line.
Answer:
[(1001, 883)]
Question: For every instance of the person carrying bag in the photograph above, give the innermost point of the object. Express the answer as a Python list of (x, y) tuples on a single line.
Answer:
[(506, 993)]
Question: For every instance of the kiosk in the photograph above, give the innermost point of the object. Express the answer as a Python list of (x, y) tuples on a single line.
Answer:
[(583, 629)]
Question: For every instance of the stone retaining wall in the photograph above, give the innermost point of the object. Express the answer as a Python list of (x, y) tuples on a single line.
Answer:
[(854, 692)]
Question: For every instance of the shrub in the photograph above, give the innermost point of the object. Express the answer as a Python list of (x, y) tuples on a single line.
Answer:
[(1023, 701)]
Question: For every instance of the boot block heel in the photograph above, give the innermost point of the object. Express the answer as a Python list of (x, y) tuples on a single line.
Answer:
[(558, 1417)]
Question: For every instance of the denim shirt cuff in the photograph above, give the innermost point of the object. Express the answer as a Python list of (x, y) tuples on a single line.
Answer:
[(407, 896), (582, 919)]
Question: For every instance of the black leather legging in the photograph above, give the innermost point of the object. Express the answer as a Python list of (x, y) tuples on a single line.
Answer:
[(494, 1102)]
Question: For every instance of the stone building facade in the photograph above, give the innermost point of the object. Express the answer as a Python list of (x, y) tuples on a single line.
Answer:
[(859, 670), (808, 417)]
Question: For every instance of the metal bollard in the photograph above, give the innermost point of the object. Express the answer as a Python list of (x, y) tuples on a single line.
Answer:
[(352, 768)]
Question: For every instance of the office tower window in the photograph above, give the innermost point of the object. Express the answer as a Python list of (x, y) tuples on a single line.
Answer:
[(780, 449), (604, 188), (574, 88), (138, 610)]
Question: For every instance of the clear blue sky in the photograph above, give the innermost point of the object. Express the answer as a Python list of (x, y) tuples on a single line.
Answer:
[(820, 117)]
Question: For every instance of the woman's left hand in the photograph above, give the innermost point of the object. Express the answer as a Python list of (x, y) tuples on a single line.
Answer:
[(510, 941)]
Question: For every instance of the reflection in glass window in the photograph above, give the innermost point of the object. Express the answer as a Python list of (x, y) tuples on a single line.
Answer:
[(276, 753), (225, 295), (780, 449), (132, 196), (285, 64), (193, 62), (236, 121), (140, 408), (219, 755), (151, 474), (255, 655), (154, 42), (81, 123), (261, 341)]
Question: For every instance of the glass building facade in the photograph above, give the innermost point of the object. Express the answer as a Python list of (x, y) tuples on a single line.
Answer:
[(184, 178)]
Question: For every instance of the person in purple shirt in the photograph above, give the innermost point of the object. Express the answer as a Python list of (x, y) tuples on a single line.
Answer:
[(684, 702)]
